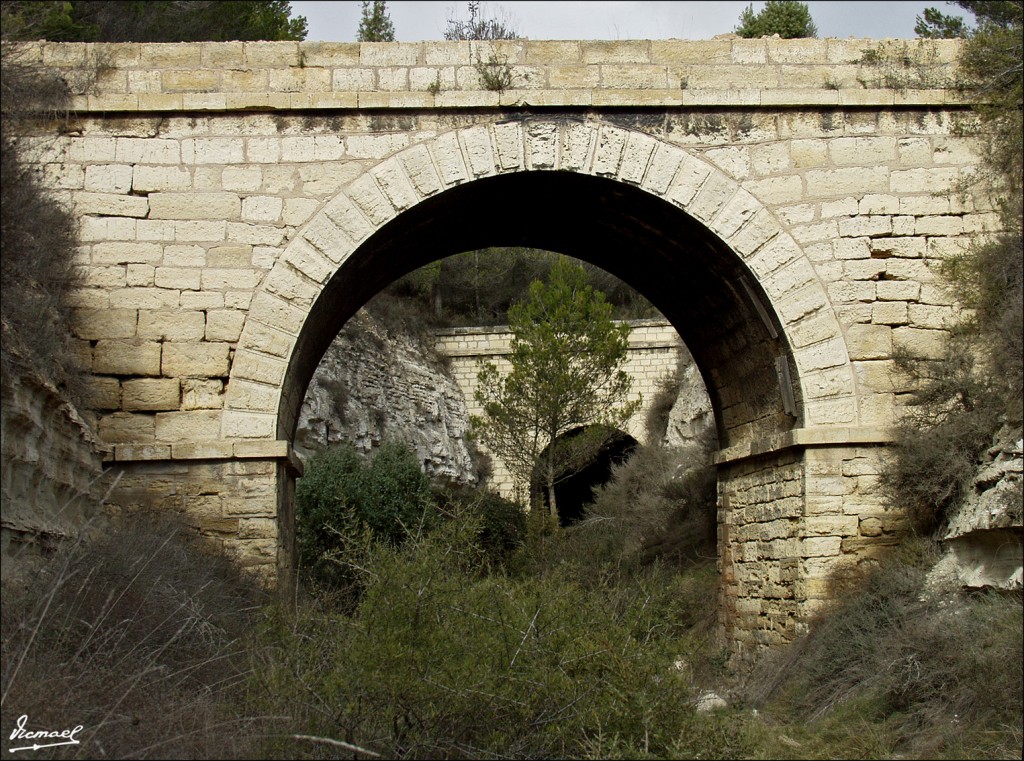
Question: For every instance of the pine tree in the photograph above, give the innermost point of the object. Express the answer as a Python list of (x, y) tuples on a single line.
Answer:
[(787, 18), (375, 26), (566, 377)]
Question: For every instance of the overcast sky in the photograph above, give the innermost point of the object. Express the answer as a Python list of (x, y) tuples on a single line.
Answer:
[(338, 20)]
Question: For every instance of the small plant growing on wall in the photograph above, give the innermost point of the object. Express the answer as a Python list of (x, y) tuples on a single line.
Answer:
[(496, 72)]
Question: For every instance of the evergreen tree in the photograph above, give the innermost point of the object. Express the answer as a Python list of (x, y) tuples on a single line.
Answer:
[(787, 18), (150, 20), (566, 375), (938, 26), (375, 25)]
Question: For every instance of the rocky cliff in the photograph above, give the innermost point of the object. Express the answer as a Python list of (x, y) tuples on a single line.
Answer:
[(984, 546), (376, 383), (51, 482)]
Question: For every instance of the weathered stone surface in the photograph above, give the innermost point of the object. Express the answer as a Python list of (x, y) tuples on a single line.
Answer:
[(371, 385), (983, 538), (199, 360), (151, 395)]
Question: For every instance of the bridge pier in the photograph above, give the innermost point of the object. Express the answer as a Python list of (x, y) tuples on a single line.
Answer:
[(239, 495), (794, 511)]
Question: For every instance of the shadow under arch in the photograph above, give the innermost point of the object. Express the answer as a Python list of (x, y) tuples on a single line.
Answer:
[(687, 272), (590, 469)]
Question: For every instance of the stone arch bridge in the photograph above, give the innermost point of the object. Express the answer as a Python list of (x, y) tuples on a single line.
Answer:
[(781, 203)]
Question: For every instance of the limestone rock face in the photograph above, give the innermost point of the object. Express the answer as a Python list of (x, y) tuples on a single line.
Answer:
[(691, 419), (375, 384), (51, 466), (984, 538)]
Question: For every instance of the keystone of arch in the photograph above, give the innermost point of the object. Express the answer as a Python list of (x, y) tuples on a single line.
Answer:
[(382, 192)]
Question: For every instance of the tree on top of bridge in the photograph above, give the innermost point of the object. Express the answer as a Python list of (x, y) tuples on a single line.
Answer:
[(375, 24), (566, 374), (480, 27), (150, 20), (787, 18)]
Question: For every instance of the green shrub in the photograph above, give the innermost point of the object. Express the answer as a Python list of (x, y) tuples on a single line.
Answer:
[(437, 661), (342, 494), (502, 522)]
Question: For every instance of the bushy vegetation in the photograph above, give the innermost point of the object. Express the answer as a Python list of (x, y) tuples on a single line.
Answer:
[(150, 20), (891, 669), (346, 501), (960, 400), (591, 642), (787, 18), (341, 496), (139, 635)]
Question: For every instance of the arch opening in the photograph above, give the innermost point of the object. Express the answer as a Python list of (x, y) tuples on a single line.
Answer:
[(692, 277), (575, 487)]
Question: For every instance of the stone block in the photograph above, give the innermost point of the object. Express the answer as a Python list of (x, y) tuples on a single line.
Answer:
[(126, 427), (249, 425), (193, 425), (201, 360), (224, 325), (195, 206), (202, 450), (257, 528), (870, 527), (113, 357), (221, 279), (889, 313), (929, 316), (198, 394), (828, 183), (97, 324), (181, 278), (147, 179), (198, 300), (869, 341), (126, 252), (162, 325), (139, 276), (147, 150), (151, 394), (925, 343), (108, 178), (897, 290), (865, 226), (102, 393), (823, 546)]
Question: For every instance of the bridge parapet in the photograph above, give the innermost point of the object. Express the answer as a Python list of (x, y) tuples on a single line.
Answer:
[(231, 76)]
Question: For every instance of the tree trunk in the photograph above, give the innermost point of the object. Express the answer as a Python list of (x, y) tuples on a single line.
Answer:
[(552, 505)]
